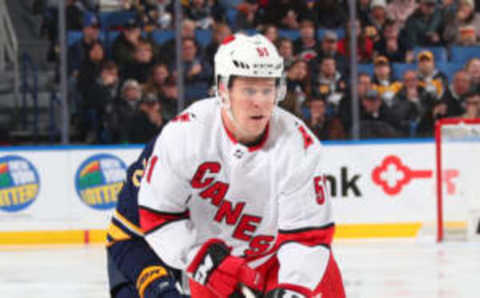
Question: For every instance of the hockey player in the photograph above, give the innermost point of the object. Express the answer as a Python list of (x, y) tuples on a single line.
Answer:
[(234, 192), (134, 270)]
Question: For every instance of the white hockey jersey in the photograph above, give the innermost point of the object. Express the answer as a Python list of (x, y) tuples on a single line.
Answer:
[(201, 184)]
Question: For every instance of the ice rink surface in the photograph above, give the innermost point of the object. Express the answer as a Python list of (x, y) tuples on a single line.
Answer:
[(371, 269)]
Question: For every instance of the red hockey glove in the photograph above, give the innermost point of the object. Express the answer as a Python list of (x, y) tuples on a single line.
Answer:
[(215, 268)]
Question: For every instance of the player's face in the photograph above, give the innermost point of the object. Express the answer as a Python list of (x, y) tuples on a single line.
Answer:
[(252, 101)]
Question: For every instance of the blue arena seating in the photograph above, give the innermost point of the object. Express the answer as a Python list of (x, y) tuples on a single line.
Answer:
[(162, 36), (366, 68), (290, 34), (449, 68), (463, 54), (340, 33), (400, 68), (112, 19), (203, 37), (231, 16)]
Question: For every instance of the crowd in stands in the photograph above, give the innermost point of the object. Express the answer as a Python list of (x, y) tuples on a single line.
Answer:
[(418, 61)]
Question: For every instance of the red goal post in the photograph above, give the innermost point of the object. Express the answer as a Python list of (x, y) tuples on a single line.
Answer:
[(463, 129)]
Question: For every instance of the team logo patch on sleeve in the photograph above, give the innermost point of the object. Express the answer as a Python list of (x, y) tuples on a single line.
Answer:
[(19, 183), (99, 179)]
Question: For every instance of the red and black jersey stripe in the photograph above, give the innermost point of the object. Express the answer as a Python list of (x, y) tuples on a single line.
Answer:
[(152, 220), (308, 236)]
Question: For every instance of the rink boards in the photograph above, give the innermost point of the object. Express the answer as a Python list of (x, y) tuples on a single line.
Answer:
[(66, 194)]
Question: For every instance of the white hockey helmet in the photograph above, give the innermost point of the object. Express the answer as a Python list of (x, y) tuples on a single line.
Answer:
[(249, 56)]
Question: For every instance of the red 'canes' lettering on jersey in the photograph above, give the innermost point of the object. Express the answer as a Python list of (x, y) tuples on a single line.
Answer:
[(245, 224)]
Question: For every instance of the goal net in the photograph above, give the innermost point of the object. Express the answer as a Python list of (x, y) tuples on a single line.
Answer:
[(458, 178)]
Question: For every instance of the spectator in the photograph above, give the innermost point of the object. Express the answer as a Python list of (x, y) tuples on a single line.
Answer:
[(330, 14), (285, 49), (454, 96), (424, 26), (142, 64), (364, 45), (90, 68), (449, 9), (220, 32), (271, 32), (363, 11), (124, 46), (472, 105), (473, 68), (157, 79), (248, 15), (200, 11), (285, 14), (298, 87), (102, 93), (74, 15), (463, 28), (399, 10), (168, 98), (383, 81), (329, 48), (120, 113), (330, 83), (147, 121), (391, 46), (376, 119), (306, 46), (324, 127), (197, 72), (78, 51), (378, 15), (160, 13), (168, 50), (364, 84), (411, 105), (430, 78)]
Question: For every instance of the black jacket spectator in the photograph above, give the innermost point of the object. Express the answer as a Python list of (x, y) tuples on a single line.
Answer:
[(220, 31), (376, 118), (168, 49), (454, 96), (411, 110), (197, 72), (142, 64), (285, 14), (330, 14), (147, 121), (391, 44), (424, 26), (101, 94), (124, 46), (77, 52), (90, 69), (248, 16), (119, 113)]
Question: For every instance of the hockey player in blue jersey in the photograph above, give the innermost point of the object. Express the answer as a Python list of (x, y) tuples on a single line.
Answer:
[(134, 270)]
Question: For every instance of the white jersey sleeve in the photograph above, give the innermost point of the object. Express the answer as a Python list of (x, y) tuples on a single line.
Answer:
[(305, 218), (163, 197)]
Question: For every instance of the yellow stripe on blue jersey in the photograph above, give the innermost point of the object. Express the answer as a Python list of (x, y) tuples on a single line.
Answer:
[(128, 224)]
